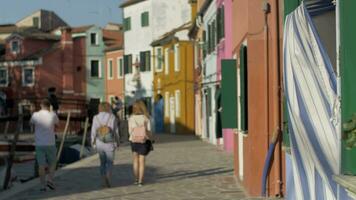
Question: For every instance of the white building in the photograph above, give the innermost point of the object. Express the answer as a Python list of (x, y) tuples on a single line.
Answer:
[(145, 21)]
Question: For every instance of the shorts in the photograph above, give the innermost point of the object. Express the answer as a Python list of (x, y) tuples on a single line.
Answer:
[(141, 148), (46, 155)]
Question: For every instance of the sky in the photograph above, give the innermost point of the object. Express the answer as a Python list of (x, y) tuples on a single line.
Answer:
[(74, 12)]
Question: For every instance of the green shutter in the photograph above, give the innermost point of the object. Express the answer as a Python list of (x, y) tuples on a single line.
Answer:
[(218, 16), (348, 74), (205, 44), (209, 39), (127, 24), (243, 88), (142, 61), (222, 22), (229, 93), (144, 19), (126, 64), (148, 61), (290, 6)]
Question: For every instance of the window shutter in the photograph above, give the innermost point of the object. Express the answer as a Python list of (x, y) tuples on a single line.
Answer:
[(126, 64), (205, 44), (148, 61), (142, 61), (229, 93), (243, 88), (222, 21)]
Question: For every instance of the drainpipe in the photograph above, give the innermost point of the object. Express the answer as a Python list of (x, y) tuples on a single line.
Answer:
[(278, 104)]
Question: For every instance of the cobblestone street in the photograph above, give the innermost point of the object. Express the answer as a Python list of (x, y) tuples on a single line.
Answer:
[(180, 167)]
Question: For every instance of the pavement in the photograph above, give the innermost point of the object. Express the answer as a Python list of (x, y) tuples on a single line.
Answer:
[(181, 167)]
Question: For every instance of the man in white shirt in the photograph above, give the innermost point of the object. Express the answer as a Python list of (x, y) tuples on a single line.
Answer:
[(44, 122)]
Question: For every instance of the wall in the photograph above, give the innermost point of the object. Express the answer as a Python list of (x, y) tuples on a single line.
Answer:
[(79, 56)]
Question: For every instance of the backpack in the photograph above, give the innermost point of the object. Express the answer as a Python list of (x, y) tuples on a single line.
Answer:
[(139, 133), (105, 133)]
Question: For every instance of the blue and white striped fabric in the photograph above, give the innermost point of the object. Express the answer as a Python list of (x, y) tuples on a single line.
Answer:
[(314, 111)]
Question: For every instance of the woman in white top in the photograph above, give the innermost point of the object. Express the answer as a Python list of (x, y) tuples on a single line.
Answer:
[(139, 118), (105, 149)]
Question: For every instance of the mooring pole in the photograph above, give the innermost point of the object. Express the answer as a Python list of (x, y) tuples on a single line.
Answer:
[(63, 138), (84, 136), (12, 153)]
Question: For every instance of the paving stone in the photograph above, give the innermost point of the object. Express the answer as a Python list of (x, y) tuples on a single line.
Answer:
[(181, 167)]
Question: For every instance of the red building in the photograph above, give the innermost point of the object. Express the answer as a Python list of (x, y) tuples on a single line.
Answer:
[(35, 61)]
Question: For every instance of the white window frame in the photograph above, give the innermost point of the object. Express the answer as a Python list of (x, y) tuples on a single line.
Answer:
[(159, 59), (178, 97), (166, 61), (120, 69), (166, 104), (23, 77), (7, 77), (18, 46), (96, 38), (110, 76), (177, 58), (99, 65)]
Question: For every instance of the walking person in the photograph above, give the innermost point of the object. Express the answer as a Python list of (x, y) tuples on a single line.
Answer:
[(105, 139), (44, 122), (140, 138)]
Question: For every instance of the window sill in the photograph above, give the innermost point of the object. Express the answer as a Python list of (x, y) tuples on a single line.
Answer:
[(348, 182)]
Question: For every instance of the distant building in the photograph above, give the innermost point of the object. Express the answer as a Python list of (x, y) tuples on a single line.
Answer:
[(142, 25), (44, 20), (35, 61)]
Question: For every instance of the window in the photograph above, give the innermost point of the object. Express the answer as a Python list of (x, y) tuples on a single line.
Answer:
[(120, 68), (176, 58), (166, 104), (205, 44), (128, 64), (177, 100), (28, 76), (110, 70), (166, 61), (145, 61), (220, 23), (36, 22), (15, 46), (94, 39), (4, 78), (144, 19), (95, 69), (127, 24), (159, 59)]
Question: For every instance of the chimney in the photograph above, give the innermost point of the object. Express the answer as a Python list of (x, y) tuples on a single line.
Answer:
[(67, 60)]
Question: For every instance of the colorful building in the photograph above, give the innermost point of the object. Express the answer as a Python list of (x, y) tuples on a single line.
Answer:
[(35, 61), (173, 79), (114, 71), (254, 88), (94, 51), (142, 25)]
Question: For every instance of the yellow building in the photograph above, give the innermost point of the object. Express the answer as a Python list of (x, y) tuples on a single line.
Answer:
[(173, 79)]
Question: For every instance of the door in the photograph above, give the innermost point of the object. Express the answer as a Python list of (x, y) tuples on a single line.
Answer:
[(172, 114)]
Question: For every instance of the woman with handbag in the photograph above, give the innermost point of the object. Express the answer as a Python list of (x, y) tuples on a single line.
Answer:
[(140, 135), (105, 139)]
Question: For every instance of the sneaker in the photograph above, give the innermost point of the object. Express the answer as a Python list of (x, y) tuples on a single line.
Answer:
[(51, 185), (140, 184), (136, 182), (43, 189)]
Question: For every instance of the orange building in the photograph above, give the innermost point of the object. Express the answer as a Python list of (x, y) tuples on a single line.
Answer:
[(114, 71)]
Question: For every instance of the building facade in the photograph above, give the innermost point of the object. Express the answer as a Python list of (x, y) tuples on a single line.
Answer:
[(173, 79), (142, 27), (114, 70)]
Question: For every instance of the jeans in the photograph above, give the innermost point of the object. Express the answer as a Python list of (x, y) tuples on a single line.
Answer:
[(106, 161)]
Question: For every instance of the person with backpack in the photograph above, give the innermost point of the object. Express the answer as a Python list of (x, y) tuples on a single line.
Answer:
[(140, 139), (105, 139)]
